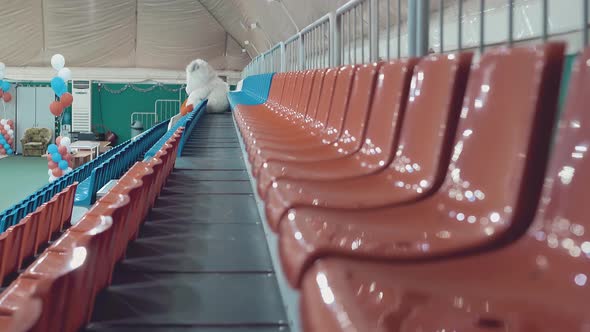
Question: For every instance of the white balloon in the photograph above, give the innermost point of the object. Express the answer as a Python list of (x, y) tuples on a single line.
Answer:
[(65, 141), (2, 74), (65, 74), (58, 62), (49, 172), (6, 127), (10, 132), (3, 122)]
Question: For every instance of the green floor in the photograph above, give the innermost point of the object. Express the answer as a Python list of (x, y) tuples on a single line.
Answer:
[(20, 177)]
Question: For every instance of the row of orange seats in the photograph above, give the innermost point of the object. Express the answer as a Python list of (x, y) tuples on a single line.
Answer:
[(57, 291), (421, 195), (21, 242)]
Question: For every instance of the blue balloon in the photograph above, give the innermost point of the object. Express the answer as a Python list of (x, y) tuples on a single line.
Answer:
[(6, 147), (52, 148), (63, 165), (2, 140), (9, 151), (5, 86), (59, 86), (56, 157)]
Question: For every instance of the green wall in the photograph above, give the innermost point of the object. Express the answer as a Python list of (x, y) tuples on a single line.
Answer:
[(114, 110)]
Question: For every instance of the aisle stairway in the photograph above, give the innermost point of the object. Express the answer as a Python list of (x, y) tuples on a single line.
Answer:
[(201, 261)]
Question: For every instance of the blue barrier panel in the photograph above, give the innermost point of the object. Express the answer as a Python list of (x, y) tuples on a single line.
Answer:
[(116, 164), (140, 144), (186, 121), (190, 125), (255, 91)]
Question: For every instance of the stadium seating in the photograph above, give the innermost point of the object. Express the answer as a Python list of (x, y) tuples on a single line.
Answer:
[(445, 216), (80, 263), (538, 283)]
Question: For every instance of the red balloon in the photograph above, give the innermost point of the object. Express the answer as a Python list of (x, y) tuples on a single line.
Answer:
[(62, 150), (7, 97), (57, 140), (66, 99), (56, 172), (49, 157), (10, 141), (56, 108), (6, 137), (67, 157), (10, 123), (52, 164)]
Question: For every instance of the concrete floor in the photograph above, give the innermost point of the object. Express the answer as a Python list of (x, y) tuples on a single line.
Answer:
[(20, 177)]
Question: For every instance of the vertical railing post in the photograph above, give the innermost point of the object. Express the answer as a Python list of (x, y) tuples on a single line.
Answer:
[(336, 32), (374, 30), (422, 27), (412, 33), (283, 66), (301, 53)]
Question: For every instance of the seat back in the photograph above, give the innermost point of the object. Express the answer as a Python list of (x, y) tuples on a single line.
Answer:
[(325, 97), (301, 107), (560, 232), (387, 108), (314, 98), (500, 152), (430, 121), (340, 99), (276, 87), (297, 92), (358, 108), (287, 88), (290, 88)]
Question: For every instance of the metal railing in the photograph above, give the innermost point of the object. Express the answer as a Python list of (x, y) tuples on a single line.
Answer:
[(293, 51), (166, 108), (363, 31), (317, 43)]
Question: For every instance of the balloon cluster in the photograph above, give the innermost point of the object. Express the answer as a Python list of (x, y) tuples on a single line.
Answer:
[(59, 159), (60, 86), (186, 109), (6, 137), (4, 85)]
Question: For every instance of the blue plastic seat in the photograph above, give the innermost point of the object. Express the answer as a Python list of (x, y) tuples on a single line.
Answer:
[(255, 90)]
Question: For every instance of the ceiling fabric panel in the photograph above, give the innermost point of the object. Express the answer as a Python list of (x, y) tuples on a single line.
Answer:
[(22, 28), (90, 32), (176, 31), (274, 24)]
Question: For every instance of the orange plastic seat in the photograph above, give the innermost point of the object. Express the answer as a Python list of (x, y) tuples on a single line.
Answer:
[(19, 310), (350, 126), (276, 107), (323, 131), (539, 283), (271, 113), (427, 130), (491, 186), (282, 117), (303, 129), (96, 236)]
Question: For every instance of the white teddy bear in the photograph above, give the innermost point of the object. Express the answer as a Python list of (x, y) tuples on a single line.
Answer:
[(202, 83)]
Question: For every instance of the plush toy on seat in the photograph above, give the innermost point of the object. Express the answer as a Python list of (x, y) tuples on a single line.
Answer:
[(202, 83)]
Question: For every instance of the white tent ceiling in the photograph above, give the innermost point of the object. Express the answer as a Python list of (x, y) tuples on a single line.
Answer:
[(159, 34)]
